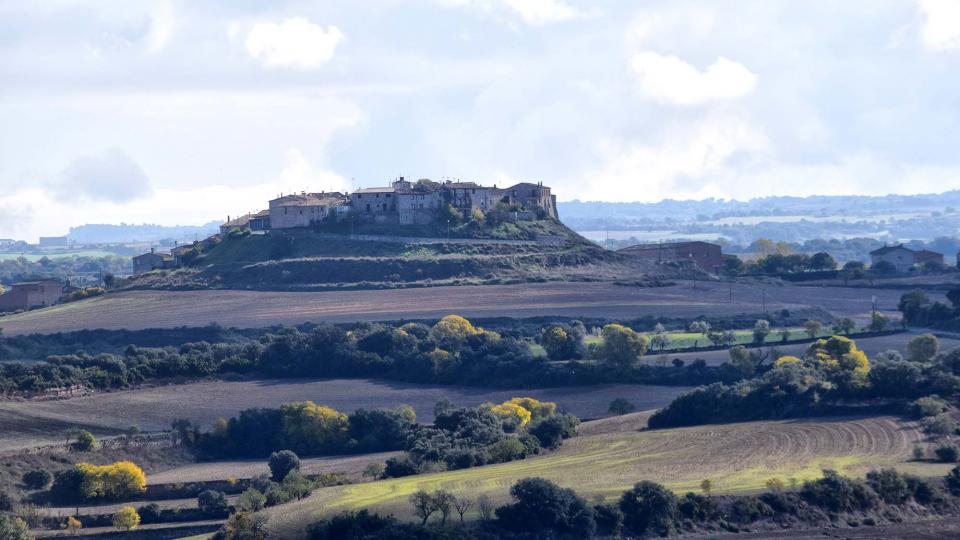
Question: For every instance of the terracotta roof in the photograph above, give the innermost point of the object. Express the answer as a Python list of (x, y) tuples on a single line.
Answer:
[(887, 249)]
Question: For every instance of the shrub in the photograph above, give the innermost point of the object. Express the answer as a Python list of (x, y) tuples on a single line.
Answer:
[(297, 485), (251, 500), (890, 485), (281, 463), (126, 519), (749, 509), (922, 490), (243, 526), (37, 479), (150, 513), (507, 449), (648, 506), (85, 441), (553, 430), (695, 507), (838, 494), (621, 406), (941, 424), (541, 507), (117, 481), (948, 453), (923, 348), (928, 406), (397, 467), (953, 481), (14, 528), (210, 501), (6, 502), (609, 519), (350, 526)]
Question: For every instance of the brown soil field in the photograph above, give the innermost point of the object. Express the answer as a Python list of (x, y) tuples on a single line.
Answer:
[(166, 309), (736, 457), (26, 424)]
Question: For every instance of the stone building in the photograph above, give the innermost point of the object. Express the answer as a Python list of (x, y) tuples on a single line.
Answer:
[(152, 261), (31, 294), (528, 196), (304, 209), (705, 255)]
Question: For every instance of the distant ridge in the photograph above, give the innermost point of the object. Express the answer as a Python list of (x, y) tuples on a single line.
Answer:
[(98, 233)]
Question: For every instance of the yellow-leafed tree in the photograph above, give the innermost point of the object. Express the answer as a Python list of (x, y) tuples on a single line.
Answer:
[(126, 519), (308, 427)]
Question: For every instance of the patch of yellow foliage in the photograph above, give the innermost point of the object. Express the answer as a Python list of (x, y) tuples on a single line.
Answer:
[(120, 480)]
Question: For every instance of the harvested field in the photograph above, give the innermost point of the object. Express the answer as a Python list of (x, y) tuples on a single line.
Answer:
[(30, 423), (736, 457), (248, 309), (249, 468)]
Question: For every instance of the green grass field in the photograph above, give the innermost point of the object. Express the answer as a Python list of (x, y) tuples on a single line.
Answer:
[(736, 457)]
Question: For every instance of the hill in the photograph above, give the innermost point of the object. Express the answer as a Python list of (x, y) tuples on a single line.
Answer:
[(391, 256)]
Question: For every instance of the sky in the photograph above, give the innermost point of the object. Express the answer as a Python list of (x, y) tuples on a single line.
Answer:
[(183, 112)]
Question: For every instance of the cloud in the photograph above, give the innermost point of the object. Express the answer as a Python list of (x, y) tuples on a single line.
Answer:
[(298, 175), (941, 25), (533, 12), (110, 176), (668, 79), (293, 43), (162, 24)]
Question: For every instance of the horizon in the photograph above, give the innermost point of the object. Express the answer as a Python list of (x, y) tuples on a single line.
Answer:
[(179, 113)]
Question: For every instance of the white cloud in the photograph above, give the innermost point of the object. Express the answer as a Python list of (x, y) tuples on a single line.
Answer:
[(684, 164), (533, 12), (941, 25), (540, 12), (298, 175), (111, 176), (162, 24), (295, 43), (668, 79)]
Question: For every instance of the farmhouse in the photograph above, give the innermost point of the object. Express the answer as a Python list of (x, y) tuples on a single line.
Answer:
[(903, 258), (705, 255), (31, 294), (528, 197), (152, 261)]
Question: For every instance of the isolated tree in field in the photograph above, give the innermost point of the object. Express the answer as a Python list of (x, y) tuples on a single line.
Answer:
[(126, 519), (878, 321), (761, 329), (621, 406), (775, 485), (648, 506), (844, 326), (699, 327), (923, 348), (622, 346), (706, 486), (423, 506), (281, 463), (813, 328), (86, 441), (660, 339), (462, 506)]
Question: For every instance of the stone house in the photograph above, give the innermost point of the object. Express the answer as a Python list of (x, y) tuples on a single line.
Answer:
[(304, 209), (152, 261), (528, 196), (903, 258), (466, 196), (31, 294), (707, 256)]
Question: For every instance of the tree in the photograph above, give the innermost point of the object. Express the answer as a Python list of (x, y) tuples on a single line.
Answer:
[(211, 501), (622, 346), (86, 441), (374, 470), (706, 486), (542, 507), (923, 348), (423, 505), (700, 327), (477, 216), (648, 506), (73, 526), (244, 526), (281, 463), (878, 321), (844, 326), (745, 361), (37, 479), (251, 500), (312, 428), (883, 268), (443, 502), (660, 341), (452, 331), (812, 328), (761, 329), (297, 485), (621, 406), (126, 519), (462, 505), (822, 261), (554, 341)]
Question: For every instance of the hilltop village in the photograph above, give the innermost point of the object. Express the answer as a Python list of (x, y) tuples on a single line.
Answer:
[(402, 202)]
